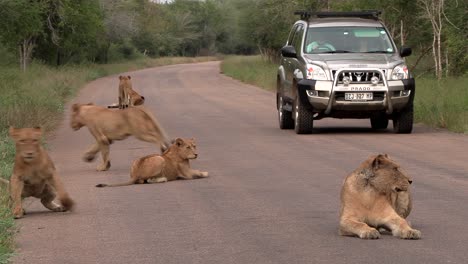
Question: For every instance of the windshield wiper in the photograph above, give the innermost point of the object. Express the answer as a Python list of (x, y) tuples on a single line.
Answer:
[(377, 51), (337, 51)]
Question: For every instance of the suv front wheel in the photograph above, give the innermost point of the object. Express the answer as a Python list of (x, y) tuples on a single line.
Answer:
[(284, 117), (403, 121), (379, 121), (303, 117)]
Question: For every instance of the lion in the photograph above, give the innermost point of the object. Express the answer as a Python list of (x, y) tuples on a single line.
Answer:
[(34, 174), (173, 164), (128, 96), (125, 84), (135, 98), (376, 195), (107, 125)]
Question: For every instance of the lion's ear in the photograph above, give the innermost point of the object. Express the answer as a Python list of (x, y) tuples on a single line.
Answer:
[(38, 130), (129, 77), (378, 160), (120, 77), (179, 142), (13, 132), (75, 107)]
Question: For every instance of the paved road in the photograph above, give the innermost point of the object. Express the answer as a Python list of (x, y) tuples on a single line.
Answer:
[(273, 196)]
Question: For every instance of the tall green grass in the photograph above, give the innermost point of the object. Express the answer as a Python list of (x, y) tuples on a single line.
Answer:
[(442, 104), (251, 69), (36, 98)]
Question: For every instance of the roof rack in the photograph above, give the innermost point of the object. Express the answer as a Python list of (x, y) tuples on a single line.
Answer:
[(305, 15), (369, 14)]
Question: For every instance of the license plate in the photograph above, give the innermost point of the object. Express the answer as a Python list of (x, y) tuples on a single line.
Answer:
[(358, 96)]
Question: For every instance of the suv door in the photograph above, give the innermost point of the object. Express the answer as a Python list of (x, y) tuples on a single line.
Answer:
[(293, 63), (286, 63)]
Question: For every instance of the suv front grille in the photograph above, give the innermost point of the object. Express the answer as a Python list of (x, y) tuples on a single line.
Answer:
[(358, 76)]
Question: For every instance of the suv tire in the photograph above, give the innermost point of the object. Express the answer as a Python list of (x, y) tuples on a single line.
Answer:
[(403, 121), (303, 117), (284, 117), (379, 122)]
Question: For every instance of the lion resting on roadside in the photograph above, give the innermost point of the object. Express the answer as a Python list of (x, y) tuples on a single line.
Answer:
[(107, 125), (128, 96), (376, 195), (34, 174), (173, 164)]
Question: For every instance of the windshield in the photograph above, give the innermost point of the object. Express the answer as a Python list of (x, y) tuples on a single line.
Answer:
[(347, 40)]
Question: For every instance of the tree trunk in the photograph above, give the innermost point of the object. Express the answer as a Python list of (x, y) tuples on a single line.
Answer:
[(25, 50)]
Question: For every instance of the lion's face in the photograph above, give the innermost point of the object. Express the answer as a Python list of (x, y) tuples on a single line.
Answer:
[(27, 142), (387, 176), (125, 81), (186, 148), (76, 120)]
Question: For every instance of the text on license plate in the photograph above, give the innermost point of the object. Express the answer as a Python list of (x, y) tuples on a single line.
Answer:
[(358, 96)]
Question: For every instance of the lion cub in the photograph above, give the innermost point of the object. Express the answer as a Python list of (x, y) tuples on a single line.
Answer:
[(128, 96), (173, 164), (34, 174), (376, 195)]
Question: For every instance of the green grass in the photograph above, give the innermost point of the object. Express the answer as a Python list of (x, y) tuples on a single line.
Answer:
[(442, 104), (251, 69), (37, 98)]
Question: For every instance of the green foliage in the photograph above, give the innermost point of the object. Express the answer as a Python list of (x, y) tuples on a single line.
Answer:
[(7, 150), (21, 19)]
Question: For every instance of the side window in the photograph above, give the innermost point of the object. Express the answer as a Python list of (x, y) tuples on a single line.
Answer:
[(291, 35), (297, 41)]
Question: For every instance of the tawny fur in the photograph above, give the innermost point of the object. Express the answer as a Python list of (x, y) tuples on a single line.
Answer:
[(171, 165), (376, 195), (107, 125), (128, 96), (34, 174)]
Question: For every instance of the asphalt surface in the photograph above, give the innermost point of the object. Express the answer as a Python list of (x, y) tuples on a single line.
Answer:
[(272, 196)]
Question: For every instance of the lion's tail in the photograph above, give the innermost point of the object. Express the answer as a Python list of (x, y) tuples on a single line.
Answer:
[(166, 142), (7, 182), (116, 185)]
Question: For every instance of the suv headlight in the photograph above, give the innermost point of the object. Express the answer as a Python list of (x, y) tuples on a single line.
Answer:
[(400, 72), (315, 72)]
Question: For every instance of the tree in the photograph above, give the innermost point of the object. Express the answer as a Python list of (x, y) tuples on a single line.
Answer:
[(21, 26), (433, 10)]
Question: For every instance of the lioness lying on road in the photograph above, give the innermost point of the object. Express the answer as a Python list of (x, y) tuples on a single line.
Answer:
[(107, 125), (376, 195), (128, 96), (171, 165), (34, 174)]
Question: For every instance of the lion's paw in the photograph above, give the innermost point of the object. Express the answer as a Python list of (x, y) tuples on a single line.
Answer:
[(89, 157), (204, 174), (410, 234), (104, 167), (19, 213), (59, 209), (370, 234)]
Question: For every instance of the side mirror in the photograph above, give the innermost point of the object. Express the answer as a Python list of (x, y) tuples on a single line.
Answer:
[(288, 52), (405, 51)]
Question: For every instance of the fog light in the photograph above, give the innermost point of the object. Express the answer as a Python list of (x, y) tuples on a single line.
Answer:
[(405, 93), (375, 80), (346, 80), (312, 93)]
